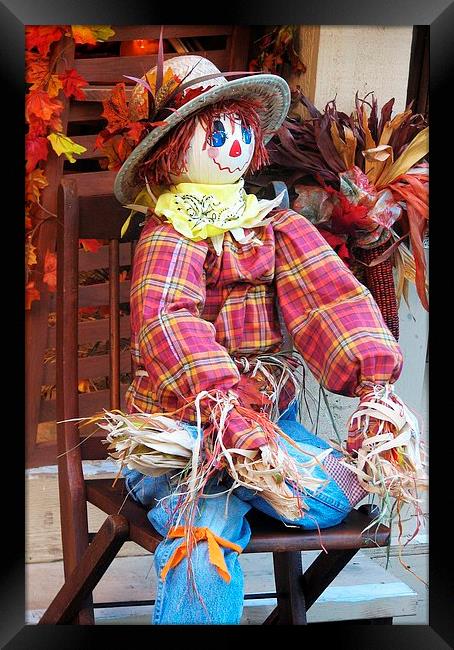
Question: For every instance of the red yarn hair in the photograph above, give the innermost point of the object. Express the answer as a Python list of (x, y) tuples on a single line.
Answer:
[(168, 157)]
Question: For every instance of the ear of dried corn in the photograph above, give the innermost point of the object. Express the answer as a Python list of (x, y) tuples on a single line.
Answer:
[(379, 279)]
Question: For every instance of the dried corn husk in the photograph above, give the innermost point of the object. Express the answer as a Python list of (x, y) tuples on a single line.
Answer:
[(269, 474), (391, 461), (151, 444)]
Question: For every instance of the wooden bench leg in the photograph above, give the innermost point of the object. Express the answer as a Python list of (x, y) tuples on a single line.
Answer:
[(94, 563), (322, 572), (291, 605), (295, 591)]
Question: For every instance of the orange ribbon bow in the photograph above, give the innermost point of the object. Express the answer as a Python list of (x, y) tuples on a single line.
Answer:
[(215, 553)]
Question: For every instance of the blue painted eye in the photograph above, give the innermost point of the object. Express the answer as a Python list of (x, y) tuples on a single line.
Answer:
[(218, 135), (247, 135)]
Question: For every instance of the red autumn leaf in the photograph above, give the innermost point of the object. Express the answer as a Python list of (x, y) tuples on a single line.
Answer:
[(116, 150), (73, 84), (31, 294), (36, 149), (50, 271), (39, 104), (135, 131), (42, 37), (102, 137), (116, 110), (182, 98), (38, 126), (91, 245)]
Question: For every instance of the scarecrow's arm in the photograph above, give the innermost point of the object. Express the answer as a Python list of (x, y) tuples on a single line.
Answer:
[(333, 319), (178, 347)]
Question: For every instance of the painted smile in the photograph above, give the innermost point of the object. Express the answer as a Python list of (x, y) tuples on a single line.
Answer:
[(236, 169)]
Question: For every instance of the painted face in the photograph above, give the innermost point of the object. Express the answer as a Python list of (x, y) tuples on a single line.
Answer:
[(221, 156)]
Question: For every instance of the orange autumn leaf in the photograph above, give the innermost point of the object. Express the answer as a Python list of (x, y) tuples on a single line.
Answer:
[(73, 84), (39, 103), (31, 294), (50, 271), (84, 386), (36, 149), (91, 245), (83, 35), (36, 69), (54, 86), (35, 182), (42, 37), (30, 254)]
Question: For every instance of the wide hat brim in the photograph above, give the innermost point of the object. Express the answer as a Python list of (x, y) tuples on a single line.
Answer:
[(272, 91)]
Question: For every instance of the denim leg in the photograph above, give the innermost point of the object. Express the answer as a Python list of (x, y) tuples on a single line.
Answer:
[(329, 505), (214, 601)]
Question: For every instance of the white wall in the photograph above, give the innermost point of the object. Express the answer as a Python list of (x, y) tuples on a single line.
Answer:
[(363, 58)]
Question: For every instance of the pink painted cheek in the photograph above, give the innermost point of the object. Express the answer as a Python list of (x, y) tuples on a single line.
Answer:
[(213, 152)]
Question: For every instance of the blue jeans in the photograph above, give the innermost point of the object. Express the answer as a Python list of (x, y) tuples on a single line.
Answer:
[(215, 601)]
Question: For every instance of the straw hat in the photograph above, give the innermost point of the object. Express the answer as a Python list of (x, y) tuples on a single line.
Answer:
[(272, 90)]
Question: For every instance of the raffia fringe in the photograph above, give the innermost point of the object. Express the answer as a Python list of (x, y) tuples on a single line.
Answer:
[(155, 444), (391, 462)]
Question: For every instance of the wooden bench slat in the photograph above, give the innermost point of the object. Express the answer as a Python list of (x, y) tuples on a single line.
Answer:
[(89, 404), (111, 70), (91, 331), (92, 184), (100, 93), (87, 141), (85, 111), (90, 367), (133, 32), (96, 295), (89, 261)]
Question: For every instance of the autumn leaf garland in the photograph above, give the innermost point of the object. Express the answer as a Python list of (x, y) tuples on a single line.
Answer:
[(43, 110)]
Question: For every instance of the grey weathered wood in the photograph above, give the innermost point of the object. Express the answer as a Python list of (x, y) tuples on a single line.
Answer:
[(363, 589)]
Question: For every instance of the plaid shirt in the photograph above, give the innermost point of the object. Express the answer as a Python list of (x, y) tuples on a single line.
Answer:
[(193, 311)]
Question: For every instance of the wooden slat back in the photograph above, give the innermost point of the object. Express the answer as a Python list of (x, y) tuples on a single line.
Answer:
[(115, 361), (114, 68)]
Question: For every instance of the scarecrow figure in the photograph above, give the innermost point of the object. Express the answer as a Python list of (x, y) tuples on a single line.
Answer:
[(210, 267)]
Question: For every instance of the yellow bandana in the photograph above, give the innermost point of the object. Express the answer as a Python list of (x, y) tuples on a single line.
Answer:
[(200, 211)]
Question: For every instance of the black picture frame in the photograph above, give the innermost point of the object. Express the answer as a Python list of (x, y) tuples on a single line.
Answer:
[(14, 15)]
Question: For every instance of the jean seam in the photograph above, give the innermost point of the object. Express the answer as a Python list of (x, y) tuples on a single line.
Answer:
[(168, 548)]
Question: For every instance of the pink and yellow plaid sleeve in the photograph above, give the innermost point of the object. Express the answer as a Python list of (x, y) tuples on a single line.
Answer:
[(333, 319), (176, 346)]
